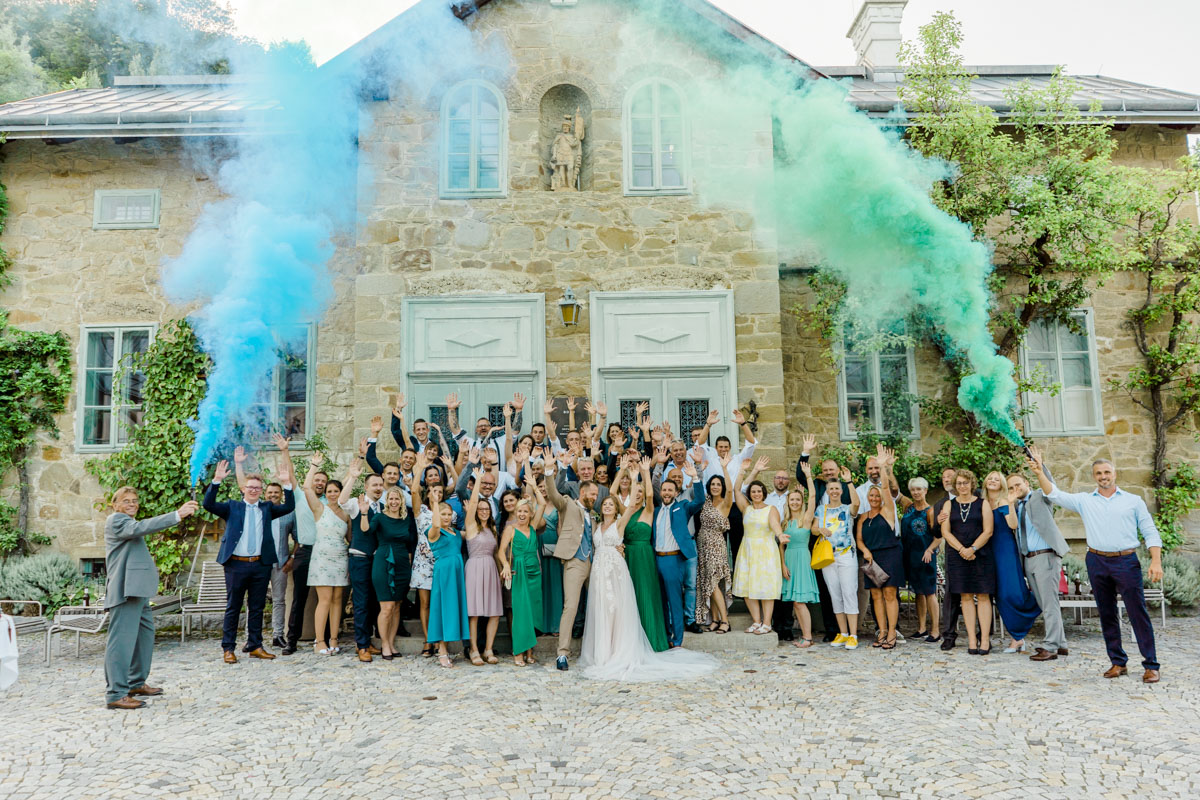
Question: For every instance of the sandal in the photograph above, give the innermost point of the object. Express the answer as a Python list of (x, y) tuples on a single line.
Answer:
[(519, 660), (878, 640), (444, 661), (803, 643), (490, 658), (475, 659), (529, 659), (427, 652), (754, 627), (764, 629), (723, 627), (890, 644), (712, 627)]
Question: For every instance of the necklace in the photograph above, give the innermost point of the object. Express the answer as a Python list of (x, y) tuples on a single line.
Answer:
[(964, 511)]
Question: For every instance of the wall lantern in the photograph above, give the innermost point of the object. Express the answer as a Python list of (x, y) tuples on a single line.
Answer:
[(568, 307)]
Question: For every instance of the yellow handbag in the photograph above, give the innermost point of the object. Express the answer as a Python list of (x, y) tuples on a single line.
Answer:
[(822, 553)]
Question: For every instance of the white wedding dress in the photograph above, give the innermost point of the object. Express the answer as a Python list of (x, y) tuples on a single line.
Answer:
[(615, 647)]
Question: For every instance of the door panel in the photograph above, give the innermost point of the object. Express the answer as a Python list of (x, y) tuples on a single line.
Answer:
[(681, 401), (478, 399)]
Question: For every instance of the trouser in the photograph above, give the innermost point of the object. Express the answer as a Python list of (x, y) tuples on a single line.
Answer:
[(300, 560), (736, 530), (130, 647), (951, 611), (782, 620), (1121, 575), (575, 574), (842, 579), (689, 590), (245, 582), (672, 570), (278, 600), (362, 593), (581, 613), (1041, 573)]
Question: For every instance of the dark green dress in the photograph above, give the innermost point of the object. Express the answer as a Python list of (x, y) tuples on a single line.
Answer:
[(552, 589), (526, 590), (392, 568), (639, 555)]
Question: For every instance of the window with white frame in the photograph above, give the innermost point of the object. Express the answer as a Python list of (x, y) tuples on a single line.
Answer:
[(287, 402), (1056, 353), (655, 139), (877, 391), (112, 404), (125, 209), (474, 135)]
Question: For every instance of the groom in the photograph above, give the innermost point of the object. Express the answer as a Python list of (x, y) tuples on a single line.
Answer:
[(574, 549), (674, 545)]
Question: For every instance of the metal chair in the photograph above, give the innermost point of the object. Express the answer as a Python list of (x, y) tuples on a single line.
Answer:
[(77, 620), (34, 624)]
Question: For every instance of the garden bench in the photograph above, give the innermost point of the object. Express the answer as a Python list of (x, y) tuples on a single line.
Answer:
[(77, 620), (35, 624)]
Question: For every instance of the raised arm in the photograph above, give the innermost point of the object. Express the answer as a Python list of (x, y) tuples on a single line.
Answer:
[(739, 496), (811, 508), (435, 526), (887, 457), (211, 504), (398, 432), (472, 525), (371, 455), (314, 502), (518, 404), (452, 404), (552, 494), (126, 527), (538, 520), (239, 466), (352, 472), (846, 479), (697, 502)]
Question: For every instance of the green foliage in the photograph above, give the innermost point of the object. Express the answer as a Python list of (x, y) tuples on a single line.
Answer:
[(1176, 498), (49, 577), (1075, 570), (1181, 581), (155, 460), (19, 76)]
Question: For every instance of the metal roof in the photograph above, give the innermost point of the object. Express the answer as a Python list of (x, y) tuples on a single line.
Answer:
[(181, 105), (1124, 102)]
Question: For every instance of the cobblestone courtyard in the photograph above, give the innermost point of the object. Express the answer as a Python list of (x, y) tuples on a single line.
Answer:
[(912, 723)]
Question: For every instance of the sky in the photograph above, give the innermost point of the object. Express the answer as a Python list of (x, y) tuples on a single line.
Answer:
[(1148, 42)]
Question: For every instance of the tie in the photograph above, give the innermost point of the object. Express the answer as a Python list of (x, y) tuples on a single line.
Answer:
[(254, 542), (1022, 538), (586, 550)]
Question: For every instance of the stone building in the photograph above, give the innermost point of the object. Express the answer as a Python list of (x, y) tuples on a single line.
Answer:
[(455, 279)]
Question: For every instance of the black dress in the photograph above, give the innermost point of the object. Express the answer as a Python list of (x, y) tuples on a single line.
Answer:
[(969, 577), (880, 538)]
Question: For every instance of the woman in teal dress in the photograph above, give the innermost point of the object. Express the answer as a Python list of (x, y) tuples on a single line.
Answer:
[(524, 573), (396, 531), (448, 597), (552, 589), (799, 580), (636, 521)]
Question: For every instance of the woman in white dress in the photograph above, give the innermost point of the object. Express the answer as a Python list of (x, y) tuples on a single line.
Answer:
[(329, 566), (615, 646)]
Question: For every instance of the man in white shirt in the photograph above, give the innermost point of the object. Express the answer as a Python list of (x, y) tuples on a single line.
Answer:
[(721, 458), (777, 499)]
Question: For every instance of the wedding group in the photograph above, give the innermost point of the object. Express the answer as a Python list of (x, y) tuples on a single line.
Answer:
[(625, 538)]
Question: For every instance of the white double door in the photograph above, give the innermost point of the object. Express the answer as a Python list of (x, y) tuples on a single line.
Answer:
[(682, 400), (479, 398)]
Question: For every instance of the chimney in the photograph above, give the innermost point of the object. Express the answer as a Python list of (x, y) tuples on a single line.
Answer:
[(875, 33)]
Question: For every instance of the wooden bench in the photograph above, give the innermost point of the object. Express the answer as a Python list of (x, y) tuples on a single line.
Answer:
[(35, 624), (210, 597)]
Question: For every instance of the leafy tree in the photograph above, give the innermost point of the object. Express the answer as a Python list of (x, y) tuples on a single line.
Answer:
[(19, 76), (1162, 244)]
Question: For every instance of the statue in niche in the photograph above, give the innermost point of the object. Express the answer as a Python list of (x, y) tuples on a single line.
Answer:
[(566, 154)]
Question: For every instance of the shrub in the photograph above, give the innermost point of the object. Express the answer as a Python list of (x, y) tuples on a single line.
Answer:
[(1181, 580), (50, 577)]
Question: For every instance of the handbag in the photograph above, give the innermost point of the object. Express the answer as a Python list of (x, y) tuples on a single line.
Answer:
[(874, 573), (822, 553)]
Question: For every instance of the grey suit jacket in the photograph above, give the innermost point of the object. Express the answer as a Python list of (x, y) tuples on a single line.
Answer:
[(130, 567), (1040, 511), (571, 488), (281, 529)]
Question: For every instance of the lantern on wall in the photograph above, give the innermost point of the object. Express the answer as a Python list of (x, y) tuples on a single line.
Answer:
[(568, 307)]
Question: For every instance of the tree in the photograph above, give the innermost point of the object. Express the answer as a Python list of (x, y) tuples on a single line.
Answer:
[(1162, 243), (19, 76)]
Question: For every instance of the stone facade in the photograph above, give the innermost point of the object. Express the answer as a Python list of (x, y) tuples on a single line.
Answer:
[(411, 242)]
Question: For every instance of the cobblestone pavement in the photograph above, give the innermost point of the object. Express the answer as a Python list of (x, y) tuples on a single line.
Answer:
[(821, 723)]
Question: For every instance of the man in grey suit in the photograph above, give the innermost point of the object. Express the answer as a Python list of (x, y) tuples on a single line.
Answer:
[(1042, 547), (282, 529), (132, 581)]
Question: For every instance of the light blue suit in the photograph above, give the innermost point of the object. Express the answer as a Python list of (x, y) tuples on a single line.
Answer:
[(671, 568)]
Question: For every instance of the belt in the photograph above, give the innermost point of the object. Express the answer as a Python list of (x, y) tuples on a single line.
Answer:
[(1039, 552), (1117, 554), (357, 553), (667, 553), (245, 558)]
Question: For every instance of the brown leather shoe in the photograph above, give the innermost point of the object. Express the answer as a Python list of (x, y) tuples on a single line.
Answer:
[(127, 703), (1062, 651), (373, 650), (1150, 676), (145, 691), (364, 655), (260, 653), (1042, 654), (1115, 672), (230, 658)]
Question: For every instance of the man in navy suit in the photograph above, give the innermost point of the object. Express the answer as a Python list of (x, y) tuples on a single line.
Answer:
[(674, 544), (248, 552)]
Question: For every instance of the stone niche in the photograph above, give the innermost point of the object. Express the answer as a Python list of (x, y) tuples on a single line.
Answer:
[(558, 102)]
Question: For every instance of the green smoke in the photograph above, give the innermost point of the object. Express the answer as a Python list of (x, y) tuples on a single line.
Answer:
[(852, 191)]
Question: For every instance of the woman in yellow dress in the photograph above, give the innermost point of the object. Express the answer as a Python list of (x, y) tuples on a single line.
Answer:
[(758, 571)]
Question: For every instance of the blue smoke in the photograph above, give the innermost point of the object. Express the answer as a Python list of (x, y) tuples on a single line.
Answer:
[(256, 260)]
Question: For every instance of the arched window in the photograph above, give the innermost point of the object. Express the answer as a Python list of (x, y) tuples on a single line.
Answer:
[(656, 150), (474, 135)]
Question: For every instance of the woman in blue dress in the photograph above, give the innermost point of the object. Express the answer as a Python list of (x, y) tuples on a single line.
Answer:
[(920, 540), (1017, 606), (448, 620)]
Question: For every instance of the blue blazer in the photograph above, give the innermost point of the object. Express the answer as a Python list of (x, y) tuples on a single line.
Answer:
[(234, 515), (680, 512)]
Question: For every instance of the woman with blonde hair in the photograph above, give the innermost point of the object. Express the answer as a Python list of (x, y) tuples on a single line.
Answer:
[(396, 532), (970, 571), (799, 579), (1016, 604)]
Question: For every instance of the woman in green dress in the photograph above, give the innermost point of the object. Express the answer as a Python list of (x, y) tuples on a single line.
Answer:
[(524, 574), (396, 531), (636, 522)]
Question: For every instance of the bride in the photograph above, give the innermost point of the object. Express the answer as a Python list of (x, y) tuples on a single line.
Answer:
[(615, 646)]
